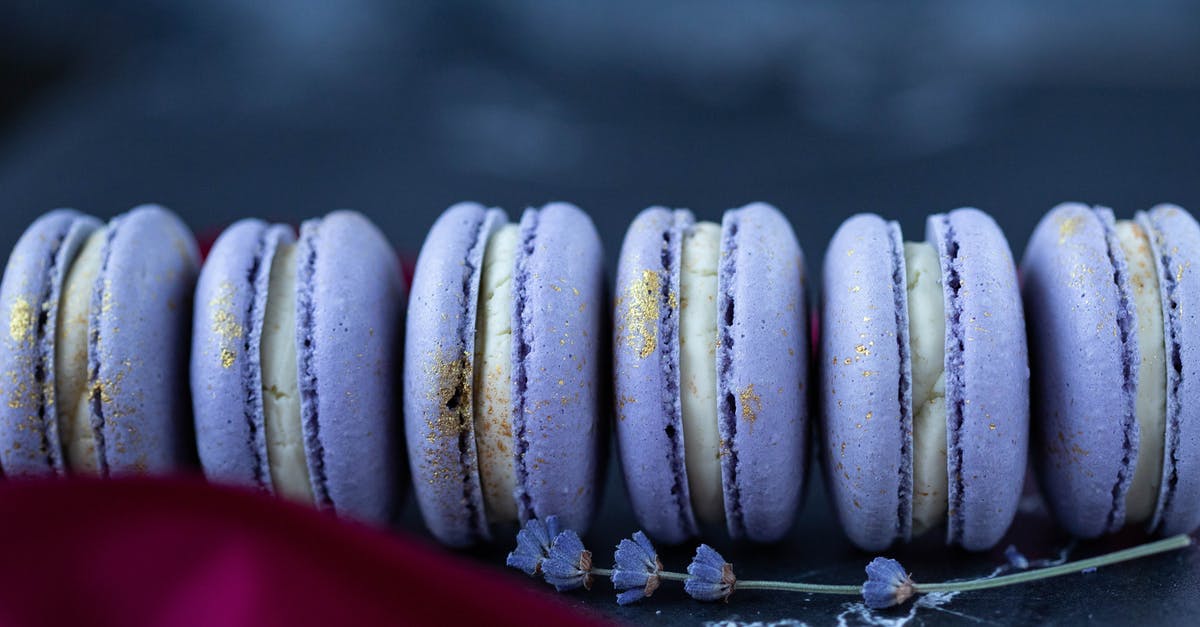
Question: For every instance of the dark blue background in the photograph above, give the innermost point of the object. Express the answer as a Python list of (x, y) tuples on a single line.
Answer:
[(226, 108)]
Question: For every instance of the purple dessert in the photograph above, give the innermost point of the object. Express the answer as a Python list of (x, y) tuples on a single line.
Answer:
[(502, 370), (294, 361), (95, 360), (711, 366), (1107, 302), (924, 381)]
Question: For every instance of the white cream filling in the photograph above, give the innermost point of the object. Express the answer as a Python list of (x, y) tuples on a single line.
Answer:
[(281, 382), (927, 352), (71, 391), (492, 397), (698, 369), (1151, 400)]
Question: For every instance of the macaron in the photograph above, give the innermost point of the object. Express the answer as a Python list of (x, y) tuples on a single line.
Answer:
[(924, 381), (95, 359), (295, 352), (1111, 305), (710, 358), (502, 371)]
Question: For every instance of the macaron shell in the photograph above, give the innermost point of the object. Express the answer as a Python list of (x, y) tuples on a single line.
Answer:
[(226, 374), (29, 293), (1175, 238), (348, 314), (762, 366), (558, 318), (987, 378), (866, 420), (1082, 391), (438, 356), (141, 321), (649, 425)]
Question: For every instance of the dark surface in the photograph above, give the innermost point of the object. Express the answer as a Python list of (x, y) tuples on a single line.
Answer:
[(226, 109), (1156, 590)]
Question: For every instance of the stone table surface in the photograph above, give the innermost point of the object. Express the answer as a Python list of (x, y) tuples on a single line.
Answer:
[(1158, 590)]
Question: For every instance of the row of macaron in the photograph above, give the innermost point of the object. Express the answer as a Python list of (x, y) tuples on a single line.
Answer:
[(276, 366)]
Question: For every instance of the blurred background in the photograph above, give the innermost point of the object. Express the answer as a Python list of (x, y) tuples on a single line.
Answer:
[(222, 109), (285, 109)]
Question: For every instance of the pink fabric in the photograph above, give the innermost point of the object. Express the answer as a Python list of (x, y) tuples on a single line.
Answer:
[(181, 552)]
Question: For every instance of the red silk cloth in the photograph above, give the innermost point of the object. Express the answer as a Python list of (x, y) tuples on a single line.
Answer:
[(181, 552)]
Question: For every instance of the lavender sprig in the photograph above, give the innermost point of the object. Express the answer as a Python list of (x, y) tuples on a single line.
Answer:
[(887, 583), (1143, 550), (569, 565), (533, 545), (638, 571), (711, 578), (564, 562)]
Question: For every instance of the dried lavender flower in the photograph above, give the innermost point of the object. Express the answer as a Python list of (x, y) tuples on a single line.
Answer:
[(636, 574), (887, 584), (569, 565), (533, 545), (710, 577)]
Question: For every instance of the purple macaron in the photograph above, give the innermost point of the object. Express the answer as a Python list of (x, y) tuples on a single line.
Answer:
[(502, 370), (294, 363), (924, 381), (710, 352), (95, 358), (1111, 307)]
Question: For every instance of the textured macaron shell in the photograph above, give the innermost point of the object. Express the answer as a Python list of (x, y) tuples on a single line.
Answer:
[(29, 295), (1079, 325), (349, 302), (761, 362), (762, 372), (438, 374), (559, 319), (140, 327), (866, 425), (226, 375), (1175, 238), (649, 425), (987, 377)]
